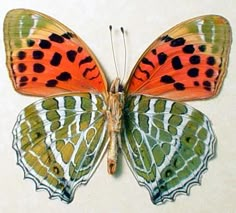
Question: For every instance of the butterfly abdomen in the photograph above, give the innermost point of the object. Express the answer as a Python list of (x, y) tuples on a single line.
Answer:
[(114, 115)]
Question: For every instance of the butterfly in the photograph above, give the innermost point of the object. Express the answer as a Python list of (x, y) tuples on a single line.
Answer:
[(60, 139)]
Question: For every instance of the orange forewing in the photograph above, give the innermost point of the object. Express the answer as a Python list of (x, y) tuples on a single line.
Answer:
[(187, 62), (44, 57)]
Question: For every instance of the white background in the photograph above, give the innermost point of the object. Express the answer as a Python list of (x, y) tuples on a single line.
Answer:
[(143, 21)]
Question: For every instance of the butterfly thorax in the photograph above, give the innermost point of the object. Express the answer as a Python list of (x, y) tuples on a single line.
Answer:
[(114, 114)]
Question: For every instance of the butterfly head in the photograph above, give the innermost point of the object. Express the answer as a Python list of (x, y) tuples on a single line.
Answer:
[(116, 86)]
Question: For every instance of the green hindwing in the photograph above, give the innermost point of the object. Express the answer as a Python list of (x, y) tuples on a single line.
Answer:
[(167, 145), (60, 140)]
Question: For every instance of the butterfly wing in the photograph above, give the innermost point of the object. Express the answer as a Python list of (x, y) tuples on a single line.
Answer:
[(60, 140), (187, 62), (167, 145), (44, 57)]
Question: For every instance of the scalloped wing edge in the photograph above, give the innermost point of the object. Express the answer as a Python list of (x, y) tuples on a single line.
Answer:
[(40, 186)]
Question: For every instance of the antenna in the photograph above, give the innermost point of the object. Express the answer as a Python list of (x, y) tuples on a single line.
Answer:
[(113, 51), (125, 52)]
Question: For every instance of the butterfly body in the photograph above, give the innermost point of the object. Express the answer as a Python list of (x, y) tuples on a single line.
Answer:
[(60, 139), (114, 116)]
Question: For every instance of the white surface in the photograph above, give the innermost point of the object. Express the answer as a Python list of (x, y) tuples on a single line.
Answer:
[(143, 21)]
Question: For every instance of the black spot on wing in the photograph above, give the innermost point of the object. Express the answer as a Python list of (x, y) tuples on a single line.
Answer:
[(64, 76), (147, 62), (71, 54), (80, 49), (56, 38), (21, 67), (207, 85), (34, 79), (179, 86), (196, 83), (177, 42), (87, 59), (30, 42), (176, 63), (56, 59), (87, 70), (161, 58), (193, 72), (22, 84), (23, 81), (166, 38), (167, 79), (211, 60), (37, 54), (154, 51), (189, 49), (209, 73), (202, 48), (51, 83), (45, 44), (145, 72), (194, 59), (21, 55), (67, 35), (38, 68)]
